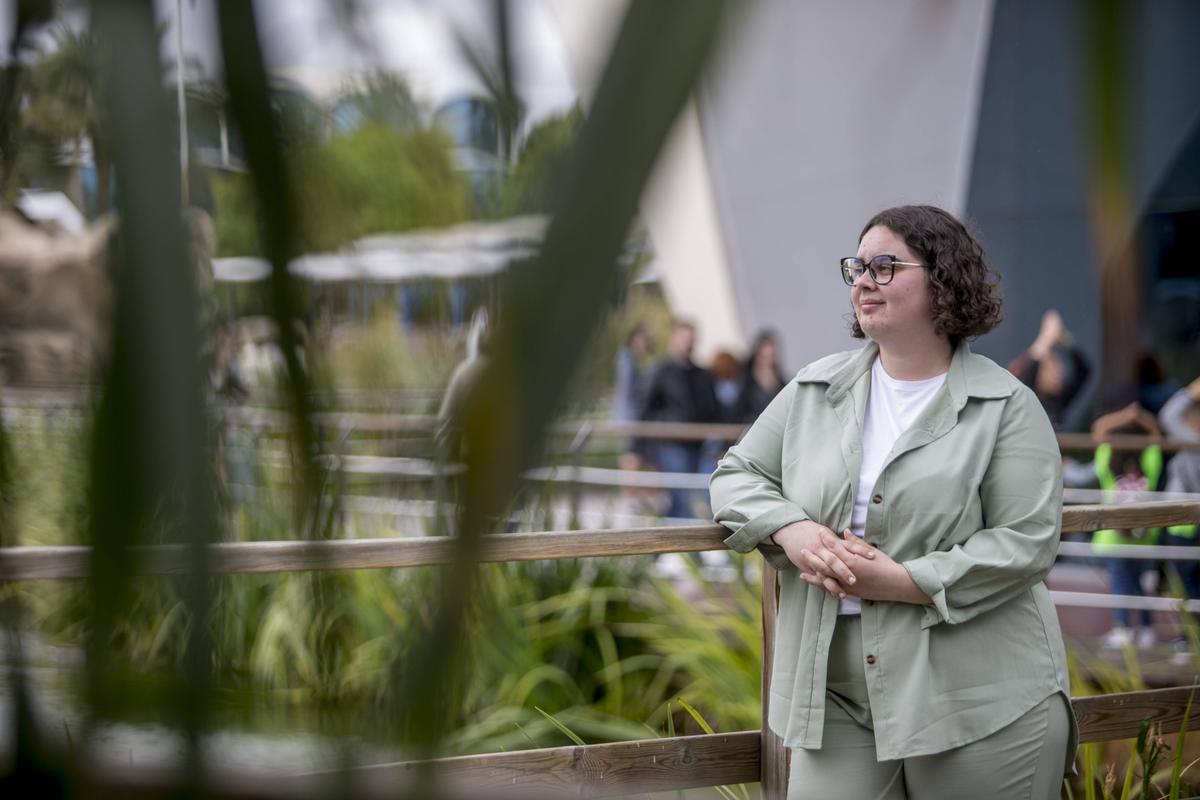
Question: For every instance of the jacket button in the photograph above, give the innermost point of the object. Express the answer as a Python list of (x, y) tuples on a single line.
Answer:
[(870, 659), (877, 499)]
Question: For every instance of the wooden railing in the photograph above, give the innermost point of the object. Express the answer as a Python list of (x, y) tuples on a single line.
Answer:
[(386, 422), (590, 770)]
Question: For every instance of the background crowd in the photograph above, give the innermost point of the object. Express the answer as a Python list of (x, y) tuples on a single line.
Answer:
[(736, 390)]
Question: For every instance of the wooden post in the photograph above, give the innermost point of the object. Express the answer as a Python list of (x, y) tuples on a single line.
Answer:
[(774, 758)]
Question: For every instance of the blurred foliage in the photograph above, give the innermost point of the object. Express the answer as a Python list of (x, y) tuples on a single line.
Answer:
[(234, 214), (490, 60), (382, 98), (63, 121), (535, 184), (599, 643), (641, 305), (379, 355), (344, 194)]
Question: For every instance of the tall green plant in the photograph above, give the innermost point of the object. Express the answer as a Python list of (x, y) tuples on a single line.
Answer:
[(550, 309)]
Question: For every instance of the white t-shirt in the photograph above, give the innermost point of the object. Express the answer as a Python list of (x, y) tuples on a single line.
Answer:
[(892, 407)]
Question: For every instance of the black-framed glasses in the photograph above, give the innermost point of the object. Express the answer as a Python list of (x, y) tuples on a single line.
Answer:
[(882, 268)]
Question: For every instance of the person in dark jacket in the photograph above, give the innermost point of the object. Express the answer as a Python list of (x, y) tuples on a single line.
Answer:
[(762, 377), (680, 391), (1054, 367)]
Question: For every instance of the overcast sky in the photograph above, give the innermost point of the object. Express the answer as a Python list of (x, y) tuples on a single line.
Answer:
[(304, 41)]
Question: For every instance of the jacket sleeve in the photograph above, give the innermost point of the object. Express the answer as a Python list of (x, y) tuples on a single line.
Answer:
[(1021, 495), (746, 488), (649, 402)]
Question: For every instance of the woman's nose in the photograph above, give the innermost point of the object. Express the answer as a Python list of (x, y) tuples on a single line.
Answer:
[(865, 279)]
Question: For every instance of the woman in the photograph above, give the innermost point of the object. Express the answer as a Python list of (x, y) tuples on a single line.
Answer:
[(918, 651), (762, 377)]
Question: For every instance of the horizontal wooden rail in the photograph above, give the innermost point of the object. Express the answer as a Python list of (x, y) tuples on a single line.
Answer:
[(398, 422), (34, 563), (679, 431), (1129, 515), (721, 759), (597, 770), (41, 563), (417, 469), (1106, 497), (1107, 717), (392, 422), (1079, 442)]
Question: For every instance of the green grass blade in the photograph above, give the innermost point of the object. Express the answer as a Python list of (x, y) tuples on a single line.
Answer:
[(704, 726), (570, 734), (1180, 740)]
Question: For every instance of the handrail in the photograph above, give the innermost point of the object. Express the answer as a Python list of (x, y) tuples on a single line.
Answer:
[(602, 770), (392, 422), (56, 563), (676, 431)]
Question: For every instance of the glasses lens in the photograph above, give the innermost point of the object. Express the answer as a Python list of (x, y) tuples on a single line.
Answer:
[(882, 268), (851, 269)]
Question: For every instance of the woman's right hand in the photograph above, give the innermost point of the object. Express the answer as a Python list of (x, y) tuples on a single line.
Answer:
[(817, 550)]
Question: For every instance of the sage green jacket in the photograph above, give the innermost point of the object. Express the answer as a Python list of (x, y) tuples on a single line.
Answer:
[(969, 502)]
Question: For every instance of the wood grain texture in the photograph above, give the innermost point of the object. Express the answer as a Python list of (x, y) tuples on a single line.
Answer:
[(57, 563), (598, 770), (1085, 442), (1129, 515), (601, 770), (1104, 718), (37, 563), (773, 773)]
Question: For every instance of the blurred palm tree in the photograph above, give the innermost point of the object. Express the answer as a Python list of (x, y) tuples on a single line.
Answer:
[(61, 104), (491, 62), (382, 97)]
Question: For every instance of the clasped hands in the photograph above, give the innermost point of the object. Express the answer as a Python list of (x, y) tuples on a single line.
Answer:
[(846, 565)]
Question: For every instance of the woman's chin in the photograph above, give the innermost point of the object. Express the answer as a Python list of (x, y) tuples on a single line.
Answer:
[(871, 328)]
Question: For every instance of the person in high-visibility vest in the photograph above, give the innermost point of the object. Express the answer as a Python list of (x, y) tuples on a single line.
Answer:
[(1128, 472), (1180, 419)]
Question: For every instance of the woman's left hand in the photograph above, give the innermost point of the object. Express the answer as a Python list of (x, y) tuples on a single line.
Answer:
[(879, 578)]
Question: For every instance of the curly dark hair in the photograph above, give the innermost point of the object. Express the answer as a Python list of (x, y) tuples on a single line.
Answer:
[(964, 289)]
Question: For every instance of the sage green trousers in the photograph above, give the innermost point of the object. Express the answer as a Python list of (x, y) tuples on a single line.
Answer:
[(1021, 760)]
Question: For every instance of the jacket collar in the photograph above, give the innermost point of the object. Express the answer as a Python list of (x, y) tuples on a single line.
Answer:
[(970, 375)]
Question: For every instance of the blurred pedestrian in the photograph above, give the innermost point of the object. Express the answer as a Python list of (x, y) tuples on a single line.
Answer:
[(1180, 420), (1153, 386), (762, 377), (680, 391), (727, 383), (631, 375), (1054, 367), (1123, 472), (463, 380)]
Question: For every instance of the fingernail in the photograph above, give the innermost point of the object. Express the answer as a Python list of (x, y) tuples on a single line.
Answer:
[(852, 579), (842, 596), (803, 552)]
